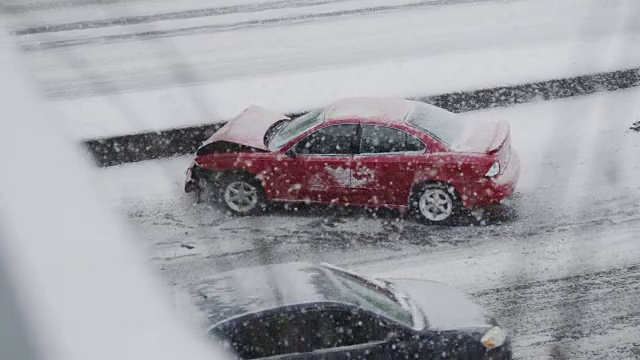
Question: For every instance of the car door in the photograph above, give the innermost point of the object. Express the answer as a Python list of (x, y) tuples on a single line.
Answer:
[(345, 334), (385, 165), (276, 335), (318, 167), (312, 332)]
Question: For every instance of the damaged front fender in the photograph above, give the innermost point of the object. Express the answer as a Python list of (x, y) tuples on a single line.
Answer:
[(198, 178)]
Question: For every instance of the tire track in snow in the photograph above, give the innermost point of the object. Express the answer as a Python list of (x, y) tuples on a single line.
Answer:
[(37, 45), (175, 15)]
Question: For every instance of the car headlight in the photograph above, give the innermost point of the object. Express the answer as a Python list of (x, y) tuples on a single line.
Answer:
[(494, 338), (494, 170)]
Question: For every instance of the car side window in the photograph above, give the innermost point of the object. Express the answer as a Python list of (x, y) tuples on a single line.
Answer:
[(301, 332), (337, 328), (331, 140), (377, 139), (267, 336)]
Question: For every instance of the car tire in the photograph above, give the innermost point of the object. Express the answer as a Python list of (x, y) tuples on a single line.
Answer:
[(242, 195), (435, 203)]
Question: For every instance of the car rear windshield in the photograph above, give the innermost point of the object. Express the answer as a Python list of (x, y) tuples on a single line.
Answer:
[(442, 124), (372, 297), (293, 129)]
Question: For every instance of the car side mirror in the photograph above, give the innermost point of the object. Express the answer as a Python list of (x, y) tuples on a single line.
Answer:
[(291, 153)]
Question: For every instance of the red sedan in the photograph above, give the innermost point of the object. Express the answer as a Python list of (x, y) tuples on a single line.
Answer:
[(377, 152)]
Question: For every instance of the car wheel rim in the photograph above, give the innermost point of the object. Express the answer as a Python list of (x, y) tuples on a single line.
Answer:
[(436, 204), (241, 196)]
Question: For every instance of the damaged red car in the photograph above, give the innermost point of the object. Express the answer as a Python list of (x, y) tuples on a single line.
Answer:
[(372, 152)]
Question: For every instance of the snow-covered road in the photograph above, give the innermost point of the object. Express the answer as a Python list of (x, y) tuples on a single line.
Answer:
[(211, 55), (558, 263)]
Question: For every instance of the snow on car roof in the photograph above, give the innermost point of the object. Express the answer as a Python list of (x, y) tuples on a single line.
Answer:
[(369, 108), (250, 290)]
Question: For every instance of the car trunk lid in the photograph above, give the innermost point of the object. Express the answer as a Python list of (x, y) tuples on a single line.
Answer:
[(484, 137)]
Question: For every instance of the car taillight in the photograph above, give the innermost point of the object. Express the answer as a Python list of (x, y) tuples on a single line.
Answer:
[(494, 170), (494, 338)]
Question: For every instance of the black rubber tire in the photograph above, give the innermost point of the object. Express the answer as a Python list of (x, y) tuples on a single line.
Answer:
[(449, 190)]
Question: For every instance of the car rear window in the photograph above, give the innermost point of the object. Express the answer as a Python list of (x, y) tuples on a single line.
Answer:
[(440, 123)]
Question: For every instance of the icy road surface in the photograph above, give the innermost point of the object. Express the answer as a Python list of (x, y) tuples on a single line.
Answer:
[(147, 65), (214, 48), (558, 264)]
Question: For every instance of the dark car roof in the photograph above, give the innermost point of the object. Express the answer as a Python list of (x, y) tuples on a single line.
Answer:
[(249, 290)]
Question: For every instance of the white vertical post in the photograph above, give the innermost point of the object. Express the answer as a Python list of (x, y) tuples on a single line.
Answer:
[(83, 288)]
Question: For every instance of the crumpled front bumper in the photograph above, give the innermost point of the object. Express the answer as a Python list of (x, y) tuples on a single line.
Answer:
[(191, 181), (198, 179)]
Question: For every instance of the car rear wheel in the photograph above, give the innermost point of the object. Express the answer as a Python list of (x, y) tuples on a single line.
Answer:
[(436, 203), (242, 195)]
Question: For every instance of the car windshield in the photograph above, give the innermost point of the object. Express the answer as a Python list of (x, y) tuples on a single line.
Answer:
[(442, 124), (372, 297), (294, 129)]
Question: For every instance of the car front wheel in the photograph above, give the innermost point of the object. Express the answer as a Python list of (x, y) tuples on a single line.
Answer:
[(242, 196), (436, 202)]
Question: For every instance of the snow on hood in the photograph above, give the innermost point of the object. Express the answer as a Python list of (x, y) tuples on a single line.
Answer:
[(248, 128), (445, 308), (482, 136)]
